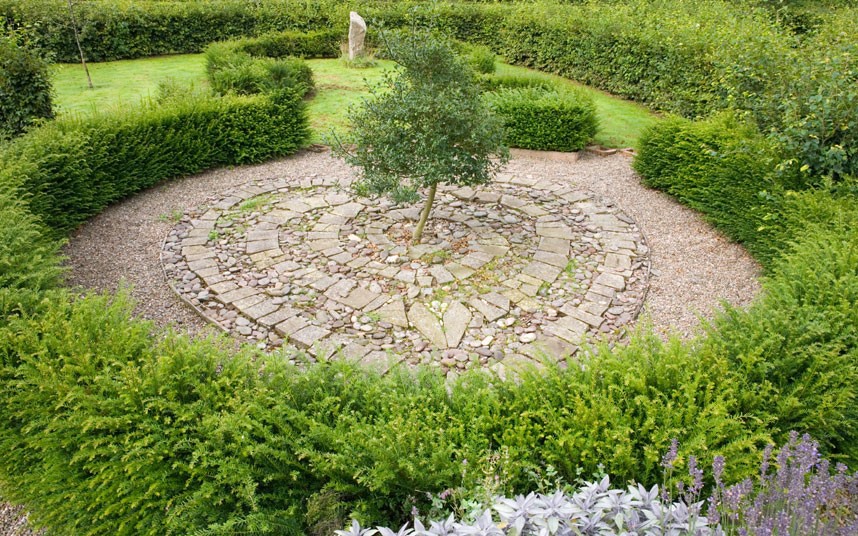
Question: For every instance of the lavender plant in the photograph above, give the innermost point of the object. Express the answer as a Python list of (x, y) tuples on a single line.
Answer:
[(799, 496)]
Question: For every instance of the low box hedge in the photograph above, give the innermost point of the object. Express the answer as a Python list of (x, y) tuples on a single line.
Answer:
[(548, 120), (74, 167)]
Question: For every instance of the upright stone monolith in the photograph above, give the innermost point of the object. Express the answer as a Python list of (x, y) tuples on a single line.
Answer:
[(357, 34)]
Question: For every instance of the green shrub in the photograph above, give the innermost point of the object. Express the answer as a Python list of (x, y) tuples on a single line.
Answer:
[(314, 44), (110, 429), (497, 82), (75, 167), (25, 89), (794, 353), (117, 454), (548, 120), (264, 75), (480, 58), (721, 167), (111, 29), (261, 65), (29, 262)]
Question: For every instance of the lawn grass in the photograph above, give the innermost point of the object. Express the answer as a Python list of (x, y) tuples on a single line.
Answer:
[(337, 88), (124, 83)]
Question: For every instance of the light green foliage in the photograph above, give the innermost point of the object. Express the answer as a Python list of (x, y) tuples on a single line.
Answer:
[(794, 353), (233, 70), (549, 120), (28, 261), (479, 57), (425, 125)]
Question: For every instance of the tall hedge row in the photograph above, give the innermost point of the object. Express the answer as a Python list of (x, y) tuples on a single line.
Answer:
[(795, 351), (690, 58), (652, 52)]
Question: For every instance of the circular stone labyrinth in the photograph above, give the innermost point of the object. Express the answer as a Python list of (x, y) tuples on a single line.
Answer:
[(519, 269)]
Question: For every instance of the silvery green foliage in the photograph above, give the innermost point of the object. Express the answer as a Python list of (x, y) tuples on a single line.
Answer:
[(595, 509)]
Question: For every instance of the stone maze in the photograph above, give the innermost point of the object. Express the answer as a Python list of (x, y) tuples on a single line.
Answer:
[(521, 269)]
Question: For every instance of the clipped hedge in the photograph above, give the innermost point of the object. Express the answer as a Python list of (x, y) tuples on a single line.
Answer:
[(721, 167), (25, 89), (670, 55), (549, 120), (161, 435), (123, 29), (794, 353), (74, 167), (312, 44)]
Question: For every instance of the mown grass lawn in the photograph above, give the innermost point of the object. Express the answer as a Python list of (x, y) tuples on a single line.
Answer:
[(119, 84)]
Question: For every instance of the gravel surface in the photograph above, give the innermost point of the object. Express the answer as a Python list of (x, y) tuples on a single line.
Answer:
[(694, 267)]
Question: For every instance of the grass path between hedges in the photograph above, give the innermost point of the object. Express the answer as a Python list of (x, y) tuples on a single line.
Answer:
[(119, 84)]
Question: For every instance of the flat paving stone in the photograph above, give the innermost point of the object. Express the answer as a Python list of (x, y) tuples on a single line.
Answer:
[(526, 264), (427, 324), (307, 336), (489, 311), (456, 320)]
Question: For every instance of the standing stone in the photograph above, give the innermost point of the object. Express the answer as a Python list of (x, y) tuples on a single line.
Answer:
[(357, 34)]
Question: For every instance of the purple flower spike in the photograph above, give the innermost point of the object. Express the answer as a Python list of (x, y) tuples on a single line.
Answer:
[(670, 457)]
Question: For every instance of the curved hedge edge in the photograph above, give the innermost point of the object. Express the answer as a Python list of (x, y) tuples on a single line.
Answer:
[(75, 167)]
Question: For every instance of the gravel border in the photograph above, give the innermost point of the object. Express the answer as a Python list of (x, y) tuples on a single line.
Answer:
[(694, 267)]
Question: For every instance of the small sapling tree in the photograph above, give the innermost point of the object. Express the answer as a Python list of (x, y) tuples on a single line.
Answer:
[(425, 124)]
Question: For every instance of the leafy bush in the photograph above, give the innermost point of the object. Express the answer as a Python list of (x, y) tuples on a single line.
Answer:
[(313, 44), (497, 82), (265, 64), (549, 120), (479, 57), (28, 261), (75, 167), (111, 29), (795, 351), (25, 89), (266, 75)]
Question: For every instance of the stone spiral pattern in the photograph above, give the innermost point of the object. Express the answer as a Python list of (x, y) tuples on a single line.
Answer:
[(518, 270)]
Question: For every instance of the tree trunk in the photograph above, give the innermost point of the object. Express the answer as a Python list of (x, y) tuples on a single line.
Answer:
[(79, 48), (427, 208)]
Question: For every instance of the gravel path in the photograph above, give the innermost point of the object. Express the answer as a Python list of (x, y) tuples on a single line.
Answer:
[(694, 267)]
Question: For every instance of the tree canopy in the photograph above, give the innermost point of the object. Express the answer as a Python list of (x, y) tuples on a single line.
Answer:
[(424, 125)]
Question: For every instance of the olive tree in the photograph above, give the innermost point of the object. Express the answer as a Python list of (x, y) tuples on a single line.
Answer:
[(424, 125)]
